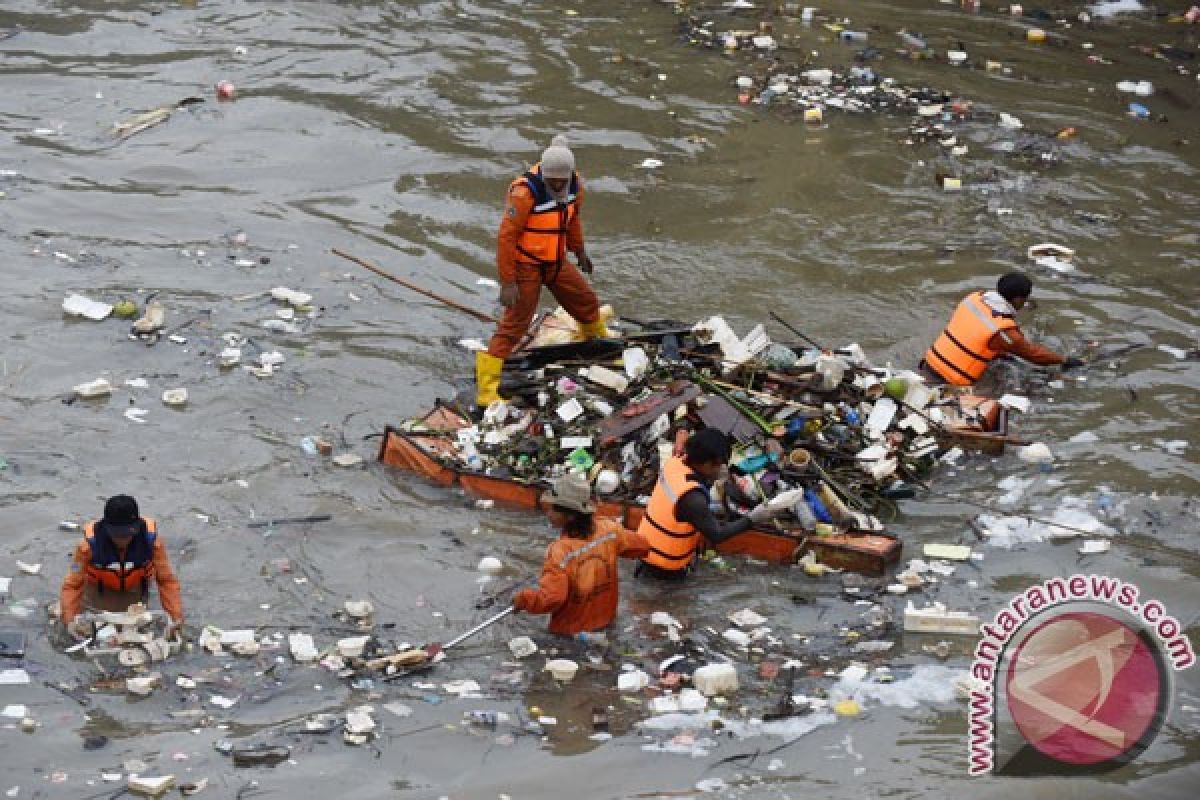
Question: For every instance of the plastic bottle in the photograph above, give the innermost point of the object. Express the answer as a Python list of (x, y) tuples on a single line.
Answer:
[(471, 455), (853, 36), (837, 509), (485, 719), (805, 515), (818, 508)]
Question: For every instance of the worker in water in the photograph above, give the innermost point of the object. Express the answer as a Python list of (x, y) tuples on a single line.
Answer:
[(578, 587), (983, 328), (114, 565), (679, 518), (541, 224)]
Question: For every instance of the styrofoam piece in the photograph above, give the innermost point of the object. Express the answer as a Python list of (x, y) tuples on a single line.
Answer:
[(1016, 402), (635, 362), (352, 646), (879, 470), (915, 423), (873, 453), (143, 684), (360, 721), (291, 296), (175, 397), (918, 395), (1036, 453), (664, 618), (1091, 547), (151, 786), (522, 646), (302, 647), (832, 370), (785, 499), (490, 565), (607, 378), (938, 619), (237, 636), (358, 609), (713, 679), (97, 388), (77, 305), (633, 681), (881, 417), (688, 700), (569, 410), (562, 669), (229, 357), (947, 552), (745, 618), (736, 637)]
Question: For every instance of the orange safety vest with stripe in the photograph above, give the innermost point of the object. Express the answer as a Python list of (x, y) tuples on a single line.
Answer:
[(961, 353), (673, 543), (543, 243), (107, 570)]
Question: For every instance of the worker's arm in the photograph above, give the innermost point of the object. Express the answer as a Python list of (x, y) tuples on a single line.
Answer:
[(575, 228), (693, 509), (168, 584), (517, 206), (70, 597), (1014, 343), (551, 593), (631, 544)]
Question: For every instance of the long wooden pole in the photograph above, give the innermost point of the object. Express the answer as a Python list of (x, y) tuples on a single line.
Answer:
[(479, 315)]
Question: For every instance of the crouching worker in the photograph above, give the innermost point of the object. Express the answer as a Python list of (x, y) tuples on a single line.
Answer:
[(679, 518), (578, 587), (120, 555)]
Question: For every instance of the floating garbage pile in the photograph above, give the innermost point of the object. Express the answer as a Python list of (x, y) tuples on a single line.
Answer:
[(824, 434)]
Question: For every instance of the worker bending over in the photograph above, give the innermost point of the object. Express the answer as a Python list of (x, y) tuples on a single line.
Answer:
[(115, 563), (578, 587), (983, 328), (679, 518)]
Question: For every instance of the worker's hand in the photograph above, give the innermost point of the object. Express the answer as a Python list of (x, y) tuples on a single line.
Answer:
[(585, 262), (523, 599), (508, 294), (1072, 363), (175, 629)]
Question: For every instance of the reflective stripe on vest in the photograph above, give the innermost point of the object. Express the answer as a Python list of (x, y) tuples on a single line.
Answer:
[(105, 572), (961, 353), (543, 243), (673, 542)]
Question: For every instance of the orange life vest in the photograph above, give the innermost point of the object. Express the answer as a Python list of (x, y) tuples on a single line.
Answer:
[(961, 353), (106, 570), (544, 240), (673, 543)]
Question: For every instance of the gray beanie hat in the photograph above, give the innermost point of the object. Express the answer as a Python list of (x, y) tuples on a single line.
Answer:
[(557, 160)]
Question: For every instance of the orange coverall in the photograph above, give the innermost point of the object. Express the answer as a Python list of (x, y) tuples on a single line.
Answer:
[(578, 587), (565, 282)]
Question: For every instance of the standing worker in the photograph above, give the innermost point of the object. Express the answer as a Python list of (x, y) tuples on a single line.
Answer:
[(541, 223), (114, 564), (578, 587), (679, 518), (983, 328)]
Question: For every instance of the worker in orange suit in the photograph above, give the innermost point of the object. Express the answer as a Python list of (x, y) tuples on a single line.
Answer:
[(541, 225), (120, 556), (983, 328), (578, 587)]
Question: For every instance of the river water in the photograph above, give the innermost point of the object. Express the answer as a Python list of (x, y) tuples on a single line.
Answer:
[(391, 130)]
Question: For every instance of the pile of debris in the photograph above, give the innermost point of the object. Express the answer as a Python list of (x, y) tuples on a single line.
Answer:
[(823, 433)]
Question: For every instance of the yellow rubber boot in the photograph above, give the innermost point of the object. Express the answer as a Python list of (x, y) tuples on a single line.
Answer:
[(487, 378), (594, 330)]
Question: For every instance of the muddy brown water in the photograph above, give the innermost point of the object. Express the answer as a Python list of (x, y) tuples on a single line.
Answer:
[(391, 130)]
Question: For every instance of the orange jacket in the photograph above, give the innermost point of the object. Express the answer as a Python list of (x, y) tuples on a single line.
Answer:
[(515, 223), (578, 586), (673, 542), (82, 572), (963, 350)]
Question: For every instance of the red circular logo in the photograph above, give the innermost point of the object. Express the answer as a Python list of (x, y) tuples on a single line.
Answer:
[(1084, 688)]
